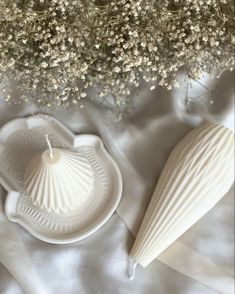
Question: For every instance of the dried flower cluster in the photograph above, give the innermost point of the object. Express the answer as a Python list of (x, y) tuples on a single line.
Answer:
[(55, 50)]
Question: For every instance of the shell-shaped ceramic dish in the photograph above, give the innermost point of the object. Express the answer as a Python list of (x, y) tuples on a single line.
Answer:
[(20, 142)]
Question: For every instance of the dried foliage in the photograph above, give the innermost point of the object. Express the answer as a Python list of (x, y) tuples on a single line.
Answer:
[(55, 50)]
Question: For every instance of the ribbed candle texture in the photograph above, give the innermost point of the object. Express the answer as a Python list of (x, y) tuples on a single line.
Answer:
[(198, 173), (59, 184)]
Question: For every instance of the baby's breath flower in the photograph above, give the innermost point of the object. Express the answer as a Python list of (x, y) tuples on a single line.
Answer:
[(56, 50)]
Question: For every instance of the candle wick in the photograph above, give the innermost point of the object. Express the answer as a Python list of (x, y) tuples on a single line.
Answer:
[(132, 270), (49, 145)]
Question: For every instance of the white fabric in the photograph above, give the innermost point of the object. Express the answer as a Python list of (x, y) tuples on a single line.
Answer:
[(201, 261)]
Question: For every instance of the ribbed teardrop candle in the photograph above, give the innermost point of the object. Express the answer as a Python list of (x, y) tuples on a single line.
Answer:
[(59, 183), (198, 173)]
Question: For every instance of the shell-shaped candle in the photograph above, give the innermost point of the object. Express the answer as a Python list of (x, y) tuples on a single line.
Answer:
[(59, 180), (198, 173)]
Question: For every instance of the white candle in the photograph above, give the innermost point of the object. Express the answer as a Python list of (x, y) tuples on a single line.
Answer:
[(59, 180), (198, 173)]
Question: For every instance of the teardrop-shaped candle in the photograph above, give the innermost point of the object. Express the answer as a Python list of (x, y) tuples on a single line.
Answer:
[(198, 173), (61, 183)]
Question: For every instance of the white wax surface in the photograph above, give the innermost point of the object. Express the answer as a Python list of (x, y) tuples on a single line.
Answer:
[(57, 155), (61, 183)]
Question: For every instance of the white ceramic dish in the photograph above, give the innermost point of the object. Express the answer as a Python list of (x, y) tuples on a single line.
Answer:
[(21, 137)]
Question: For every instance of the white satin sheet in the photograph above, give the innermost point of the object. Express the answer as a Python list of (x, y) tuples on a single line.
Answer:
[(200, 262)]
